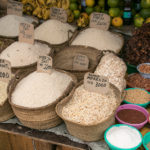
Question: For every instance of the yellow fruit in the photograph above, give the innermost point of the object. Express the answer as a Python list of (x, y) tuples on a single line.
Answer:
[(83, 20), (70, 16), (90, 3), (65, 4), (117, 21), (147, 20)]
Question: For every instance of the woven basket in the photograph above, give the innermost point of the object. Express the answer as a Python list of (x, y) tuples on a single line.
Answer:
[(28, 67), (77, 33), (42, 117), (64, 59), (88, 132)]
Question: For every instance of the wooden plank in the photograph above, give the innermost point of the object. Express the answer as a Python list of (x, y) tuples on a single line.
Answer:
[(42, 145)]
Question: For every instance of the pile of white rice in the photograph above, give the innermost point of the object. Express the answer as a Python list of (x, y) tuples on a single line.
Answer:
[(53, 32), (99, 39), (22, 54)]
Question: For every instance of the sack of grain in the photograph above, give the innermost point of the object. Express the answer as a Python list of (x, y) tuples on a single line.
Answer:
[(88, 114), (34, 96), (23, 55), (114, 68), (64, 59), (99, 39)]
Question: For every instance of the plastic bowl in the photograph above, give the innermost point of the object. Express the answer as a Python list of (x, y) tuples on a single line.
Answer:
[(112, 147), (142, 105), (146, 140), (131, 68), (144, 75), (134, 107)]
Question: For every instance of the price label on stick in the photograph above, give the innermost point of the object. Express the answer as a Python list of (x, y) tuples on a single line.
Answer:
[(96, 83), (100, 20), (58, 14), (14, 8), (45, 64), (80, 62), (26, 33), (5, 70)]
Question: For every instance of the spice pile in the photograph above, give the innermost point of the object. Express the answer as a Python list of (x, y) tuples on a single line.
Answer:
[(22, 54), (99, 39), (144, 68), (137, 49), (136, 80), (53, 31), (137, 96), (40, 89)]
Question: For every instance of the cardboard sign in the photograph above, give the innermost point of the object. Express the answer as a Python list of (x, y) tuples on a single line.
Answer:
[(100, 20), (96, 83), (58, 14), (26, 33), (5, 70), (14, 8), (80, 62), (45, 64)]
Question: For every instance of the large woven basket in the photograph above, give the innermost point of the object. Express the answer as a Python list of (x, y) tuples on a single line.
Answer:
[(42, 117), (28, 67), (64, 59), (88, 132), (77, 33)]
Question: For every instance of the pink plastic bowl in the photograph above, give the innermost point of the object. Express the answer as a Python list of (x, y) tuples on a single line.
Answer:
[(135, 107)]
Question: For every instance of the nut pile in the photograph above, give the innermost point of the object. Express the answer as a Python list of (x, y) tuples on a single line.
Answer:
[(137, 49), (145, 68), (137, 96), (136, 80)]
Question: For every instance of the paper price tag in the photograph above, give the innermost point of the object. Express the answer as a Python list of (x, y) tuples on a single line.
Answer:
[(26, 33), (96, 83), (5, 70), (100, 20), (14, 8), (59, 14), (45, 64), (80, 62)]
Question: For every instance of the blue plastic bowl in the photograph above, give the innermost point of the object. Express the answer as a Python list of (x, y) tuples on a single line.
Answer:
[(142, 105), (144, 75), (146, 140), (112, 147)]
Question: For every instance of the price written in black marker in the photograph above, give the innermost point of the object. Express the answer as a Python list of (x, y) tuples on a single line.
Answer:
[(96, 83), (58, 14), (100, 20), (5, 70), (45, 64)]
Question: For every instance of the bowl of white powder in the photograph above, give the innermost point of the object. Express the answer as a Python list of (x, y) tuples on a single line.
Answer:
[(123, 137)]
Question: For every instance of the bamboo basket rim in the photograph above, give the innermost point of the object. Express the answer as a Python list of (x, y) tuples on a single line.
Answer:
[(35, 63), (100, 55), (74, 81), (119, 35), (67, 99)]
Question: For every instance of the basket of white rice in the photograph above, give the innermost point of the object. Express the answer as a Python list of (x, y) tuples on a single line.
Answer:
[(56, 33), (64, 59), (34, 96), (24, 56), (99, 39), (88, 114), (9, 25)]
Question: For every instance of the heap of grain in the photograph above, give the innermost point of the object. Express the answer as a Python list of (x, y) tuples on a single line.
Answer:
[(40, 89), (53, 32), (114, 68), (23, 54), (99, 39), (9, 25)]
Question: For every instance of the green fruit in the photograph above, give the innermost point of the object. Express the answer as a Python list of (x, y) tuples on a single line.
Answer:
[(113, 3), (114, 12), (138, 22), (145, 3), (101, 3), (76, 14), (97, 8), (137, 15), (145, 13), (89, 10), (73, 6)]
